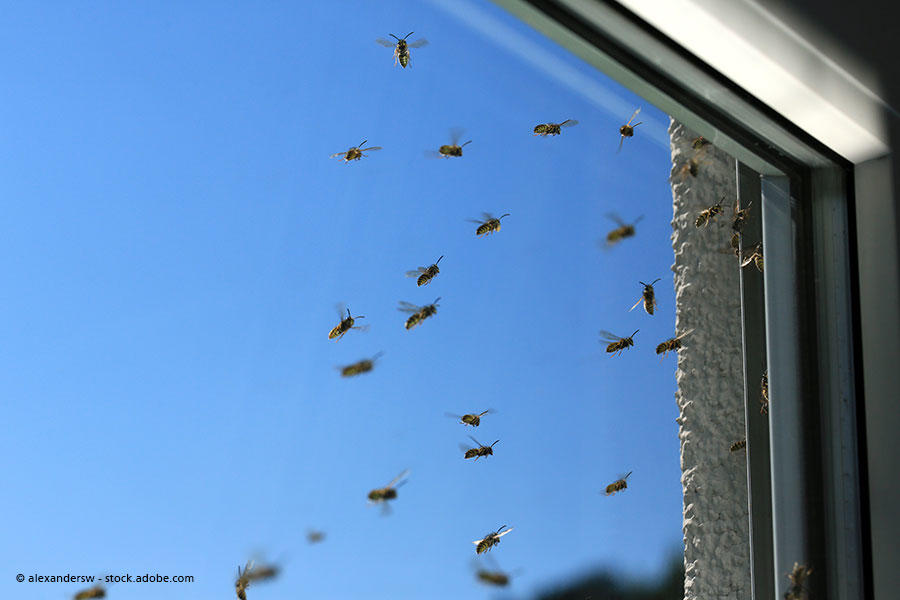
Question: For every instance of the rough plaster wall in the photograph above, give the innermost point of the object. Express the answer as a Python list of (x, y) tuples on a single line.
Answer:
[(710, 378)]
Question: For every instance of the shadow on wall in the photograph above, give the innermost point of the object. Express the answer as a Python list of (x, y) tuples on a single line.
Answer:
[(606, 585)]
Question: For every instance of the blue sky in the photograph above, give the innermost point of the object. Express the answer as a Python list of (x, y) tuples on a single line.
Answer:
[(176, 238)]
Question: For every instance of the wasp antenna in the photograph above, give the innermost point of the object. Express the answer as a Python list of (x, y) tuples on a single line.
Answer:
[(655, 280), (635, 331), (638, 219), (394, 36), (408, 34), (502, 527), (492, 445), (436, 300), (469, 142), (361, 143), (439, 260), (506, 215)]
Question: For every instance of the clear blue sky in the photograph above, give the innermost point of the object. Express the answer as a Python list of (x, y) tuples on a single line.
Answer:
[(175, 239)]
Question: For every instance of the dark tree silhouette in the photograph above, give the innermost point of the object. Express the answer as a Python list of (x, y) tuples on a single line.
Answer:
[(606, 585)]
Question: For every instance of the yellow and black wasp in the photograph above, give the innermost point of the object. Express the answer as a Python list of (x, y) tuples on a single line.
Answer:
[(243, 581), (98, 591), (618, 485), (755, 256), (355, 152), (357, 368), (454, 148), (648, 297), (692, 167), (624, 230), (616, 344), (671, 345), (545, 129), (488, 225), (739, 445), (764, 393), (478, 452), (797, 591), (493, 576), (627, 130), (419, 313), (700, 143), (706, 216), (425, 274), (737, 223), (345, 325), (490, 540), (261, 572), (470, 419), (401, 47), (388, 492)]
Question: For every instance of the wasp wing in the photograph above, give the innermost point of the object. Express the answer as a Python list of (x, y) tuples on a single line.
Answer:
[(456, 135), (398, 478), (641, 299), (568, 123), (684, 334), (418, 43), (338, 154), (386, 43), (615, 217), (504, 532), (633, 116), (609, 337), (417, 272), (370, 149), (408, 308), (479, 221), (480, 445), (487, 216)]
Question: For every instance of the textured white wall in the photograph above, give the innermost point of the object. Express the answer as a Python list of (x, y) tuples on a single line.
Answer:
[(710, 378)]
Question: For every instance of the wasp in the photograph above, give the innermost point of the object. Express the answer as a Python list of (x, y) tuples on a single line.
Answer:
[(355, 152), (488, 225), (615, 343), (454, 148), (261, 573), (617, 485), (388, 492), (490, 540), (478, 452), (797, 576), (738, 445), (648, 297), (357, 368), (737, 223), (401, 48), (473, 419), (700, 143), (671, 345), (425, 274), (98, 591), (627, 130), (243, 581), (546, 129), (314, 537), (498, 578), (706, 216), (345, 325), (756, 257), (691, 167), (419, 313), (764, 393), (624, 230)]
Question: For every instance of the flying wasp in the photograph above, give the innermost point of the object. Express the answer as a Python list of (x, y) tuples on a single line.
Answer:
[(624, 230), (627, 130), (345, 325), (478, 452), (472, 419), (401, 48), (738, 445), (98, 591), (490, 540), (357, 368), (419, 313), (243, 581), (388, 492), (706, 216), (425, 274), (261, 572), (546, 129), (495, 576), (615, 343), (797, 576), (756, 257), (764, 393), (617, 485), (671, 345), (454, 148), (488, 225), (648, 297), (355, 152), (314, 537), (691, 167)]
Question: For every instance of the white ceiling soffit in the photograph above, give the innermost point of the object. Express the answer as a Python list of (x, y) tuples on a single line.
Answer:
[(771, 61)]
